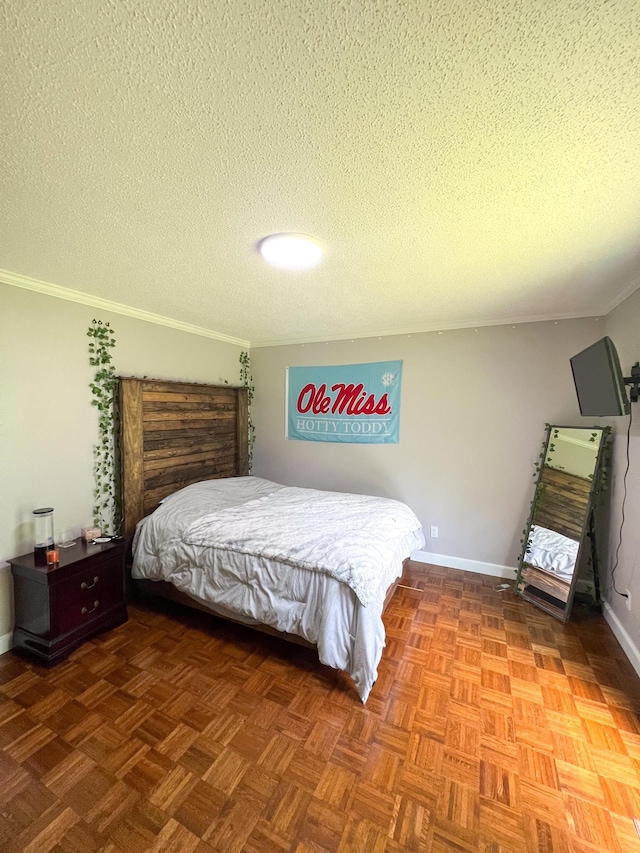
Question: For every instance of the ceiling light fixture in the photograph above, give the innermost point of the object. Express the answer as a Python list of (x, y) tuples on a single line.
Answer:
[(290, 251)]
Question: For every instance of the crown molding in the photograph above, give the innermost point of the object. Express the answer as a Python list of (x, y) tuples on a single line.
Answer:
[(626, 293), (567, 439), (27, 283), (56, 290), (431, 327)]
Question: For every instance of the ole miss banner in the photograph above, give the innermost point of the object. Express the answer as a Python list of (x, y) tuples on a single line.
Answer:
[(357, 403)]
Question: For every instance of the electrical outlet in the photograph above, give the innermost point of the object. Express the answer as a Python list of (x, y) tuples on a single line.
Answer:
[(434, 531), (628, 599)]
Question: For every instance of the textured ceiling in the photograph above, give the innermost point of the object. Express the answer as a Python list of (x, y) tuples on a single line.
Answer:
[(462, 161)]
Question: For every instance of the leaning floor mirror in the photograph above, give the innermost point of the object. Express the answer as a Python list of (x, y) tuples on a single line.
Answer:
[(569, 478)]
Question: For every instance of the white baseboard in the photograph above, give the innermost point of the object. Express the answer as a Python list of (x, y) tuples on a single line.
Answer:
[(628, 646), (6, 640), (5, 643), (492, 569)]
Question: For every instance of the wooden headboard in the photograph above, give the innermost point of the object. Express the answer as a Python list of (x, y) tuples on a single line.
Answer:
[(173, 434), (563, 503)]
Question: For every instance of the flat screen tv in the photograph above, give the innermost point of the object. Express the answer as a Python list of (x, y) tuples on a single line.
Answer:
[(599, 381)]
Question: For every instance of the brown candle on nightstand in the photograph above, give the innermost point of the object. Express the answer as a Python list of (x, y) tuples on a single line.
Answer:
[(53, 557)]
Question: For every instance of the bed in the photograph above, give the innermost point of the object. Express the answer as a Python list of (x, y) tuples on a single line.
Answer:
[(314, 566)]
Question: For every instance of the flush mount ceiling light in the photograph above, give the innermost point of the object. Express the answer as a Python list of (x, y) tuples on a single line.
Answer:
[(290, 251)]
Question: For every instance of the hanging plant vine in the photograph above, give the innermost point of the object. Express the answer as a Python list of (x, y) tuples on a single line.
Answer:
[(548, 446), (246, 381), (546, 454), (105, 499)]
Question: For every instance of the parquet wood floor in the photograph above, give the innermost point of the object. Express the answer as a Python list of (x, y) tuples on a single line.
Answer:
[(492, 728)]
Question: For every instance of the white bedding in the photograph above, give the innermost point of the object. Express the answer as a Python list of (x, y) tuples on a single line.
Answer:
[(250, 577), (552, 552)]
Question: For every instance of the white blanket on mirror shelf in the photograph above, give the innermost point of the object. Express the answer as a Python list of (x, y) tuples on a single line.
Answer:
[(195, 540), (552, 552)]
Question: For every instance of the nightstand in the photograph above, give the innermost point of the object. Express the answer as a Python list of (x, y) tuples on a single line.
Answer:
[(58, 607)]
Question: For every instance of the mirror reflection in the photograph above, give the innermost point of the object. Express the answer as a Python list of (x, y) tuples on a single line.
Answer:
[(560, 516)]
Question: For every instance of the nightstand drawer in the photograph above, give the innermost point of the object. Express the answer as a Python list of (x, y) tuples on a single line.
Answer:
[(59, 606), (90, 583), (91, 604)]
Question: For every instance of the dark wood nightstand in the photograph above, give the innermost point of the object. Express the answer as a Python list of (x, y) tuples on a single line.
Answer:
[(58, 607)]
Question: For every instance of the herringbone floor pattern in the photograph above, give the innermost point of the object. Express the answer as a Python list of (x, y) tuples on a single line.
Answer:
[(492, 728)]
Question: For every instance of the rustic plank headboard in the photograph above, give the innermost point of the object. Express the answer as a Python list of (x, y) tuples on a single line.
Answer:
[(173, 434), (564, 502)]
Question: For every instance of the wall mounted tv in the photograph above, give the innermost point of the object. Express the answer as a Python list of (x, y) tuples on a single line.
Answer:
[(599, 382)]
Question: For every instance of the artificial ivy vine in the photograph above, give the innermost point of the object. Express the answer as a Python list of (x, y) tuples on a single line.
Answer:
[(246, 381), (104, 386), (548, 448), (537, 497)]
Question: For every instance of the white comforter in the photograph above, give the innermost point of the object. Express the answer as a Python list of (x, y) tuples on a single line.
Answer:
[(213, 540), (552, 552)]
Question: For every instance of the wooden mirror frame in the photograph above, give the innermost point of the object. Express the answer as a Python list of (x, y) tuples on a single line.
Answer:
[(564, 491)]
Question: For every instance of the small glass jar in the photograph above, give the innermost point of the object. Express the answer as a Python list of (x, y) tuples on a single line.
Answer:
[(43, 530)]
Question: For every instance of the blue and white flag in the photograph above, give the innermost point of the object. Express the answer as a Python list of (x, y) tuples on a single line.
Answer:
[(355, 403)]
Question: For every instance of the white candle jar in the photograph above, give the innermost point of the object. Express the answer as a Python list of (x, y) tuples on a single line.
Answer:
[(43, 529)]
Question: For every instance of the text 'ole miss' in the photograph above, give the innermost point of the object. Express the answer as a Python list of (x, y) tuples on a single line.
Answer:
[(349, 400), (349, 403)]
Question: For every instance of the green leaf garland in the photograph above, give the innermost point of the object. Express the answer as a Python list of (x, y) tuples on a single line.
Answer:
[(104, 386), (246, 381)]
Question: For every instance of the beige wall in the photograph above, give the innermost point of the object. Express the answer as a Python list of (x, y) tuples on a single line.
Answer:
[(474, 406), (47, 424), (573, 452), (623, 327)]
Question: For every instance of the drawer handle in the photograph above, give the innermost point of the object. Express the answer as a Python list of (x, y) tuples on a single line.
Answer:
[(85, 585), (95, 604)]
